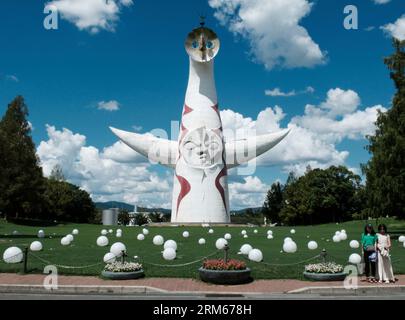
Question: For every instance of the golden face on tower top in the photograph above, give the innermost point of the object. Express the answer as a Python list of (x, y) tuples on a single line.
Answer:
[(202, 44)]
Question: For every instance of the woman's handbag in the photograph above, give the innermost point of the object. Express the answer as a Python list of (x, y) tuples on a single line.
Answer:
[(373, 257)]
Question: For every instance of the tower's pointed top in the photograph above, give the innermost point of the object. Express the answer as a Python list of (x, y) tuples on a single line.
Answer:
[(202, 21)]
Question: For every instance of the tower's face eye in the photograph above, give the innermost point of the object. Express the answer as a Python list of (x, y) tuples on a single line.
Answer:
[(210, 45), (195, 44)]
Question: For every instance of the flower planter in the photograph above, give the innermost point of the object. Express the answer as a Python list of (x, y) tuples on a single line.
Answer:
[(230, 277), (122, 275), (325, 276)]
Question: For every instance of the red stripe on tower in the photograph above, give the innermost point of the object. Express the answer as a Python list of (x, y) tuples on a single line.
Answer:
[(184, 190), (221, 190)]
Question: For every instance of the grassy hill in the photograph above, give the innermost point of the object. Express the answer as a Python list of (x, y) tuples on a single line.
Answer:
[(84, 252)]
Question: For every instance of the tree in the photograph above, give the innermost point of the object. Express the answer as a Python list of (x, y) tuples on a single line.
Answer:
[(385, 171), (67, 202), (321, 196), (273, 203), (123, 217), (57, 173), (21, 180), (141, 219)]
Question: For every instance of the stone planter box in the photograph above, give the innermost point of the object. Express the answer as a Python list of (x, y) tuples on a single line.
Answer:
[(229, 277), (325, 276), (122, 275)]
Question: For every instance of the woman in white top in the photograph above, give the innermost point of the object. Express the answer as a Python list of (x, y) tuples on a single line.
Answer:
[(384, 266)]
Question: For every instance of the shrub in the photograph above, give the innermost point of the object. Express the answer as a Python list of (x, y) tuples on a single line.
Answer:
[(324, 267), (123, 267), (220, 264)]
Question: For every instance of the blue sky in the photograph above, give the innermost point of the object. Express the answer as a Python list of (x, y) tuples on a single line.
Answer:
[(64, 74)]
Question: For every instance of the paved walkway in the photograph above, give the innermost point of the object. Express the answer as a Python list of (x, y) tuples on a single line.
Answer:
[(182, 285)]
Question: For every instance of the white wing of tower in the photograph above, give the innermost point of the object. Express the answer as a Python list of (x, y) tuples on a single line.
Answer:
[(157, 150), (244, 150)]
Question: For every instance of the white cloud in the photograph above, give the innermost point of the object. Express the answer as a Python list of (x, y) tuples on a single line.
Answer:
[(116, 173), (314, 136), (12, 77), (277, 92), (91, 15), (273, 30), (396, 29), (381, 1), (251, 192), (340, 102), (111, 105)]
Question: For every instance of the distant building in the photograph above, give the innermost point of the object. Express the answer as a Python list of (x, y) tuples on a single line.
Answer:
[(110, 217)]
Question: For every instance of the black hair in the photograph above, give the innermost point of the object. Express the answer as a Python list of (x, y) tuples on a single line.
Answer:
[(369, 225), (382, 226)]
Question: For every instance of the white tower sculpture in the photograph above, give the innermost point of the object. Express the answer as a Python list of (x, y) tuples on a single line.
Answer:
[(200, 158)]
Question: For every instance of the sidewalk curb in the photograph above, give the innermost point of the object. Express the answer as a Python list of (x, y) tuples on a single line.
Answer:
[(79, 289), (353, 291)]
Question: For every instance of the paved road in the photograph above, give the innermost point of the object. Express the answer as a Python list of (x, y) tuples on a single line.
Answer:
[(22, 296)]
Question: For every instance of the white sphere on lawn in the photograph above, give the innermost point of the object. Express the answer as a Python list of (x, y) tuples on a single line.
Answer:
[(355, 258), (145, 231), (169, 254), (255, 255), (110, 231), (269, 231), (36, 246), (117, 248), (102, 241), (401, 239), (186, 234), (227, 236), (270, 236), (13, 255), (140, 237), (64, 241), (336, 238), (118, 235), (287, 239), (290, 247), (119, 230), (75, 232), (201, 241), (109, 257), (343, 236), (245, 249), (354, 244), (70, 237), (210, 231), (170, 244), (221, 243), (158, 240), (312, 245), (292, 231), (245, 236), (255, 231), (104, 232), (343, 231), (337, 233), (41, 234), (243, 232)]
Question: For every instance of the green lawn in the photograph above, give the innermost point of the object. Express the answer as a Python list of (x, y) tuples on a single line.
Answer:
[(84, 251)]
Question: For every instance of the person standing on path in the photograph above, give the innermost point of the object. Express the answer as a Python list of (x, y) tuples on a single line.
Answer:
[(369, 248), (384, 265)]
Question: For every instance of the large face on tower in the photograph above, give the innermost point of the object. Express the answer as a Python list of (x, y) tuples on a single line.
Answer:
[(202, 148), (202, 44)]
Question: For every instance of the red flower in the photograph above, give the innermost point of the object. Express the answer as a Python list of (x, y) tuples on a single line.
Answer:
[(219, 264)]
